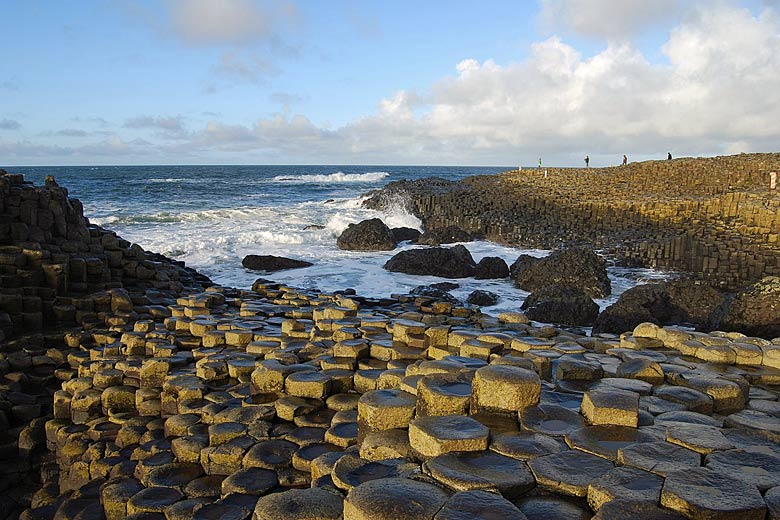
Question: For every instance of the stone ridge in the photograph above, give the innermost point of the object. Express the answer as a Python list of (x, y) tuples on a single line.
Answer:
[(57, 270), (714, 218)]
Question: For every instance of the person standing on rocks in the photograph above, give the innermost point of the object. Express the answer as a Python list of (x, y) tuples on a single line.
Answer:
[(625, 160), (540, 163), (587, 161), (669, 156)]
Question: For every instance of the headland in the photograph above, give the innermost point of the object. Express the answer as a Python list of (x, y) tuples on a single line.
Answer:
[(132, 387)]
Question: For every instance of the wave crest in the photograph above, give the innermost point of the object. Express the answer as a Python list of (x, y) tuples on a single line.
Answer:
[(332, 178)]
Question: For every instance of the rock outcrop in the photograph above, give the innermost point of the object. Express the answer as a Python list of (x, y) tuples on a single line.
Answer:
[(453, 262), (713, 218), (491, 268), (448, 235), (756, 309), (271, 263), (405, 234), (561, 305), (573, 267), (368, 235), (665, 303)]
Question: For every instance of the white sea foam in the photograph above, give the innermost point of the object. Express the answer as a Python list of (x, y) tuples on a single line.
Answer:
[(215, 241), (333, 177)]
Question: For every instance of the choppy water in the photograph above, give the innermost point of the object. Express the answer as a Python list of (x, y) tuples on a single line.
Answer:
[(212, 216)]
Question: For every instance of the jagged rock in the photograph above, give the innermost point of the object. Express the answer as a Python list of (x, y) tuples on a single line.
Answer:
[(755, 310), (270, 263), (447, 235), (666, 303), (562, 305), (482, 298), (574, 267), (405, 234), (490, 268), (368, 235), (453, 262)]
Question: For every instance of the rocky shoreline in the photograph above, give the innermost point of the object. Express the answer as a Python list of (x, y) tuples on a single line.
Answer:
[(161, 395), (713, 218)]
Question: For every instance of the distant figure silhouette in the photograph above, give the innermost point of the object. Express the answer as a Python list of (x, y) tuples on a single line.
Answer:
[(669, 156), (625, 160), (540, 163), (587, 161)]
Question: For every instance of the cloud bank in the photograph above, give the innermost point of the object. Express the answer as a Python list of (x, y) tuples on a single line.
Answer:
[(716, 91)]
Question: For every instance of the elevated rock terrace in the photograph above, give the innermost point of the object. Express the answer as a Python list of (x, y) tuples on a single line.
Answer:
[(714, 218)]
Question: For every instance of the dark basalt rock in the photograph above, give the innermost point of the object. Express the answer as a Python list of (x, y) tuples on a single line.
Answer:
[(482, 298), (368, 235), (521, 263), (562, 305), (755, 310), (490, 268), (405, 234), (576, 267), (429, 291), (270, 263), (447, 235), (666, 303), (453, 262)]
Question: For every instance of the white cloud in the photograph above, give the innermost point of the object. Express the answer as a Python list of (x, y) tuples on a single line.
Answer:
[(217, 22), (233, 68), (610, 19), (719, 92), (10, 124)]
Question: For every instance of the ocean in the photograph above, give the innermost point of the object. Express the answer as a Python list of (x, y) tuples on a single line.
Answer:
[(212, 216)]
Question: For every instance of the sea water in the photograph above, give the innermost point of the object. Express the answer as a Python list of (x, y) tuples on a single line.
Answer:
[(212, 216)]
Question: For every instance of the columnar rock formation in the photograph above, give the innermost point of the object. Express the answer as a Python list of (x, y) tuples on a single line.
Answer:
[(58, 270), (278, 402), (715, 218)]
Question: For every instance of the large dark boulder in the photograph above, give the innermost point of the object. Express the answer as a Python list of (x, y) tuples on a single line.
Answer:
[(453, 262), (575, 267), (664, 303), (521, 263), (755, 310), (482, 298), (447, 235), (270, 263), (368, 235), (405, 234), (561, 305), (490, 268)]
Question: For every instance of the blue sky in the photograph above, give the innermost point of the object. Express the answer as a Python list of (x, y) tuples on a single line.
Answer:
[(348, 82)]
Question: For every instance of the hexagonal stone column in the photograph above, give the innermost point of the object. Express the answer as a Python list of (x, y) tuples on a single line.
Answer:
[(432, 436), (392, 499), (443, 394), (384, 410), (704, 493), (504, 389), (615, 407)]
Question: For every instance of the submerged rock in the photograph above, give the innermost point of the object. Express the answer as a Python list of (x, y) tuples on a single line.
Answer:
[(453, 262), (368, 235), (272, 263), (577, 267), (482, 298)]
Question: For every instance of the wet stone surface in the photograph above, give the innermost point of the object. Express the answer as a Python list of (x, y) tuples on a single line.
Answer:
[(282, 402)]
